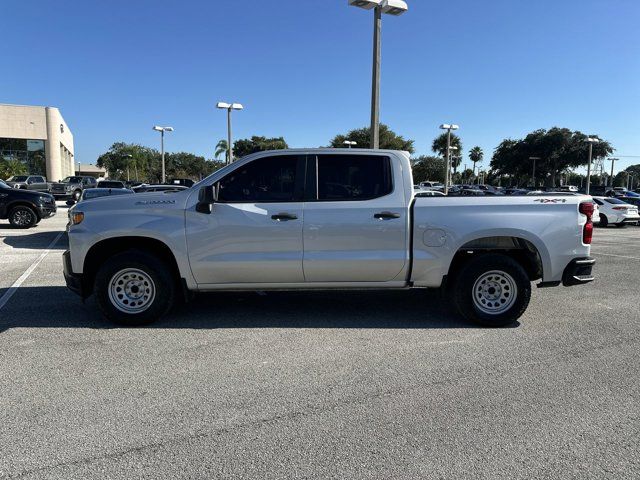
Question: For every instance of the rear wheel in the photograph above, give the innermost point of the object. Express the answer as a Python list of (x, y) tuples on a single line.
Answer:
[(492, 290), (134, 288), (604, 221), (22, 217)]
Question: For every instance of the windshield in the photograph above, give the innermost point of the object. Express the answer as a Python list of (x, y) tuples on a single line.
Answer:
[(18, 178), (72, 180)]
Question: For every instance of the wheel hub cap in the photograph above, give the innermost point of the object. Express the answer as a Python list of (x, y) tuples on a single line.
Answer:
[(131, 290), (494, 292), (21, 218)]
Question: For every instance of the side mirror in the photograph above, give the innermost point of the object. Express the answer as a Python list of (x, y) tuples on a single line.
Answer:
[(206, 198)]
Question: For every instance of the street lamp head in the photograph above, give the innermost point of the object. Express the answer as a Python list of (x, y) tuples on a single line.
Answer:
[(592, 140), (366, 4), (394, 7), (237, 106), (223, 105), (350, 142), (453, 148), (446, 126), (168, 129), (157, 128)]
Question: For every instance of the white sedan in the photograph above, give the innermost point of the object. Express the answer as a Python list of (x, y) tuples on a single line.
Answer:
[(616, 212)]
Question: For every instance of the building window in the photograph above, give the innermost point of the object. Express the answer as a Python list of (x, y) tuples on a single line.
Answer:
[(29, 152)]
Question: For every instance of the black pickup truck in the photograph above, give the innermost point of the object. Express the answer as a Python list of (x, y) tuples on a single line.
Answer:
[(25, 208)]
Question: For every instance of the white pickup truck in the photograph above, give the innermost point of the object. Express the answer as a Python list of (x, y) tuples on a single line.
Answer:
[(323, 219)]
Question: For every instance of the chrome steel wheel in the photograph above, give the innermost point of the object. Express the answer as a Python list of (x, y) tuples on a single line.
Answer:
[(131, 290), (494, 292)]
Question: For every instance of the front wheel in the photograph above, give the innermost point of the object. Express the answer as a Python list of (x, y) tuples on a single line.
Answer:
[(493, 290), (22, 217), (134, 288)]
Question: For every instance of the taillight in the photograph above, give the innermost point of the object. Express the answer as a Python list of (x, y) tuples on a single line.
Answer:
[(619, 208), (586, 208)]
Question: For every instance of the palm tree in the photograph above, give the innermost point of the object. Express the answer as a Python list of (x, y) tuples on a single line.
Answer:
[(439, 146), (475, 155), (222, 147)]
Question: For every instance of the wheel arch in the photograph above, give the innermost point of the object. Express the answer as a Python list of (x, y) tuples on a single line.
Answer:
[(104, 249)]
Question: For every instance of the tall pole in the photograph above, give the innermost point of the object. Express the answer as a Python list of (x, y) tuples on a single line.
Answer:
[(447, 163), (162, 153), (533, 176), (229, 144), (589, 168), (613, 160), (375, 80)]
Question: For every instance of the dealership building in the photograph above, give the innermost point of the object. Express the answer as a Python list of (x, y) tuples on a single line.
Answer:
[(38, 137)]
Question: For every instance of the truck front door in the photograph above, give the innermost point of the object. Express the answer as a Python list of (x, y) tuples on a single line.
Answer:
[(355, 219), (254, 233)]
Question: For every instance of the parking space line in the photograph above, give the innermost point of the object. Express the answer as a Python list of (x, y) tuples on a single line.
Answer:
[(13, 288), (595, 253)]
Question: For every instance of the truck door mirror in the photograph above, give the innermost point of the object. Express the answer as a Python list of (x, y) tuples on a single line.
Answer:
[(206, 198)]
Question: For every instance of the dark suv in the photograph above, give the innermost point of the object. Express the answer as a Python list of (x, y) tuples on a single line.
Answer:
[(25, 208), (71, 188), (29, 182)]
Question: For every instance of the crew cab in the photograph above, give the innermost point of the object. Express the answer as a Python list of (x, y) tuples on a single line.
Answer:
[(25, 208), (71, 188), (323, 219), (29, 182)]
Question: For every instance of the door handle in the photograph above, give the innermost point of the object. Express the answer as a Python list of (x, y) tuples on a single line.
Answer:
[(283, 217), (386, 215)]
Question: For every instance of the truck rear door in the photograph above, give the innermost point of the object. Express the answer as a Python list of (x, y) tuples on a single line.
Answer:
[(355, 219)]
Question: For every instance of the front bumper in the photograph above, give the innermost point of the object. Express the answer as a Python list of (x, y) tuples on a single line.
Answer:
[(578, 272), (73, 280), (47, 210)]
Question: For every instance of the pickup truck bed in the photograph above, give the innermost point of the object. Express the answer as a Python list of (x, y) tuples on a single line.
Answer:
[(324, 219)]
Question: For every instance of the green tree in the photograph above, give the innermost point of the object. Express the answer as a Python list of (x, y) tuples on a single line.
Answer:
[(10, 167), (222, 147), (389, 140), (426, 168), (476, 155), (557, 150), (439, 146), (246, 146), (143, 160)]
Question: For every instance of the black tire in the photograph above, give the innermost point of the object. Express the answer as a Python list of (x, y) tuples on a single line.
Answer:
[(22, 216), (603, 220), (473, 285), (146, 268)]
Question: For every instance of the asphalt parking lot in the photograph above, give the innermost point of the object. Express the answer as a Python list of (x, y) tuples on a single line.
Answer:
[(318, 385)]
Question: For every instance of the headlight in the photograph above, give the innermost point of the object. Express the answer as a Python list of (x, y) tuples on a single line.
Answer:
[(76, 217), (45, 199), (16, 185)]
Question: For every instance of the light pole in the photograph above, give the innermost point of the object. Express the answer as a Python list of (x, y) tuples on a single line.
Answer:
[(350, 143), (590, 141), (390, 7), (160, 129), (229, 107), (447, 167), (533, 175), (613, 160), (128, 157)]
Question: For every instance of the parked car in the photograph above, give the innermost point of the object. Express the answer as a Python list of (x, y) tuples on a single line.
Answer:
[(72, 187), (185, 182), (635, 201), (432, 185), (25, 208), (616, 212), (37, 183), (158, 188), (429, 193), (273, 220), (568, 188), (110, 184), (100, 192)]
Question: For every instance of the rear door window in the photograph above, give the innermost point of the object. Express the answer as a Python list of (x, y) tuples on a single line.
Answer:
[(353, 177)]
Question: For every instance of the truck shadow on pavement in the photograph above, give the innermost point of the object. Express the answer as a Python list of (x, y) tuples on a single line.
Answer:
[(36, 240), (56, 307)]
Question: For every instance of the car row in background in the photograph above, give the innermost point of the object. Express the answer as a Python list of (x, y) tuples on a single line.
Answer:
[(614, 211), (24, 208)]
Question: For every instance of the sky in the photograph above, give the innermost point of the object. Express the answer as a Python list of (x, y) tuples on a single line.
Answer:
[(302, 69)]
